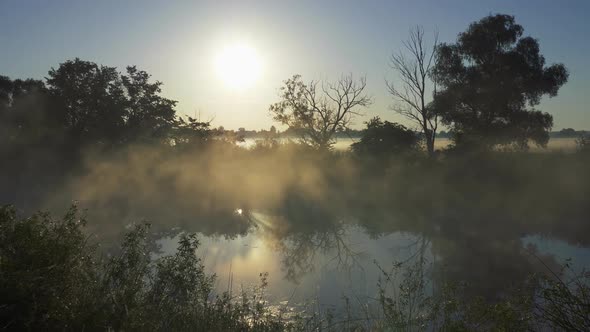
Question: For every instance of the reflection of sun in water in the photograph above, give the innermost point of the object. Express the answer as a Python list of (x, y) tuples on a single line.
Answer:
[(238, 66)]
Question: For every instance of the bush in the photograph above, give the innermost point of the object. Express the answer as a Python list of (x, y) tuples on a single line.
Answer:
[(52, 279), (385, 139)]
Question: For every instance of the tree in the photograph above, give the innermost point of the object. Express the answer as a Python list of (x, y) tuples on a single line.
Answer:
[(25, 117), (567, 132), (491, 79), (192, 132), (382, 138), (93, 99), (414, 69), (103, 106), (148, 115), (317, 115)]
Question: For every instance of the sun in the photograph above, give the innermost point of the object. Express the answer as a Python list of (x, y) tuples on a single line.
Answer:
[(238, 66)]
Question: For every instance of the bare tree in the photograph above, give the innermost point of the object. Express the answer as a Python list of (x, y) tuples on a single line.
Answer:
[(413, 66), (316, 114)]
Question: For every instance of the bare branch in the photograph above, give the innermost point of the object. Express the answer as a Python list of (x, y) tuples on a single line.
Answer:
[(413, 66), (320, 116)]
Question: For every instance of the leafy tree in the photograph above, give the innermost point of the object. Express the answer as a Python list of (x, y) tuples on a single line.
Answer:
[(383, 138), (103, 106), (191, 131), (315, 115), (32, 134), (93, 99), (567, 132), (25, 115), (148, 115), (491, 79)]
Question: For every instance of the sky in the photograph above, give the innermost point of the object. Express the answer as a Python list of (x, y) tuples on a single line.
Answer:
[(179, 42)]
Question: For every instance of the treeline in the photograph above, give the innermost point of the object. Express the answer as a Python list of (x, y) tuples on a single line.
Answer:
[(48, 128), (82, 104), (488, 83)]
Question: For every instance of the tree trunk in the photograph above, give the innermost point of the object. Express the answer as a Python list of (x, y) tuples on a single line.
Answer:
[(429, 137)]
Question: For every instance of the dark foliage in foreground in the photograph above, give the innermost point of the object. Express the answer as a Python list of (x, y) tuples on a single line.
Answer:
[(51, 278)]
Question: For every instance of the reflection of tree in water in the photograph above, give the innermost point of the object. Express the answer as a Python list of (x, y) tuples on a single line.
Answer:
[(487, 262), (473, 232), (302, 229), (300, 250), (486, 252)]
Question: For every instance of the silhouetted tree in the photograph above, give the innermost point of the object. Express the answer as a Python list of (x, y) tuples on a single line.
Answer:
[(32, 140), (93, 98), (491, 79), (414, 70), (25, 117), (191, 131), (148, 115), (383, 138), (103, 106), (317, 115)]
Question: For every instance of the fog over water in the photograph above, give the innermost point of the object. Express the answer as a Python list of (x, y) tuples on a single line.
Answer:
[(555, 144)]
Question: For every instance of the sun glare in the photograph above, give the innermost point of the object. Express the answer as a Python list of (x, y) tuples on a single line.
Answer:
[(238, 66)]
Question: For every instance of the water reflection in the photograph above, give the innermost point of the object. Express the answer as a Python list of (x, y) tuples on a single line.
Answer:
[(312, 219), (340, 260), (303, 267)]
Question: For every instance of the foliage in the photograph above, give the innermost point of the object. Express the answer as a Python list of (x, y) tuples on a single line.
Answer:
[(104, 106), (52, 279), (383, 138), (565, 304), (48, 276), (491, 79), (83, 104), (190, 132)]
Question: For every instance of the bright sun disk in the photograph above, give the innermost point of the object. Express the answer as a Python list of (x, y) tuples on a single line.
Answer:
[(238, 66)]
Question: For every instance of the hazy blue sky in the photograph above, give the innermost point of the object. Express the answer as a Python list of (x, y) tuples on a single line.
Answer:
[(177, 41)]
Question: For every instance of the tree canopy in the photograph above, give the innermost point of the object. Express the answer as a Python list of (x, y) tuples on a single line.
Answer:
[(492, 78), (102, 105), (384, 138)]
